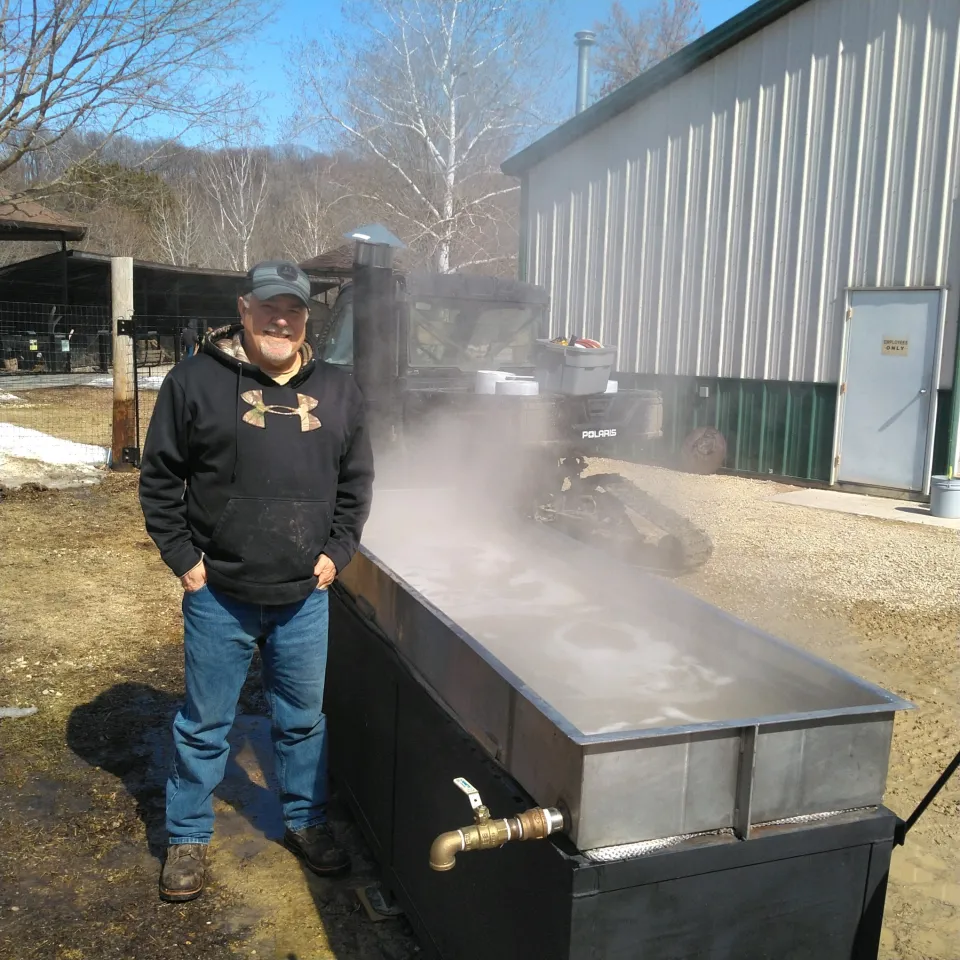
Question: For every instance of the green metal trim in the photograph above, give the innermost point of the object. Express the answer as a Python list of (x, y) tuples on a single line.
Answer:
[(763, 419), (786, 436), (943, 433), (813, 436), (736, 460), (722, 38), (772, 428), (954, 426)]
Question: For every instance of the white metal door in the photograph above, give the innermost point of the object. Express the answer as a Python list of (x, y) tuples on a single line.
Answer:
[(888, 389)]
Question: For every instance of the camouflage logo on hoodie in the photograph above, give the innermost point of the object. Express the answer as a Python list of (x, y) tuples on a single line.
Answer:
[(257, 416)]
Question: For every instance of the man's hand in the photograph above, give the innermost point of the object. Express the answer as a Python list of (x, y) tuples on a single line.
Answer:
[(195, 578), (325, 571)]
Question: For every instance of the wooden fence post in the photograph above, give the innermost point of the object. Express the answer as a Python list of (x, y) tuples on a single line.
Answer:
[(124, 401)]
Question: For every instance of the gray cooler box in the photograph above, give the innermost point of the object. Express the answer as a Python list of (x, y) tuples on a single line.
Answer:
[(576, 371)]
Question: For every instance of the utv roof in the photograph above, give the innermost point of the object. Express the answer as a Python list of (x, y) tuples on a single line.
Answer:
[(465, 286)]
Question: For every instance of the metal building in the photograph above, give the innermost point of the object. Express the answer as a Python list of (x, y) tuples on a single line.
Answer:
[(766, 225)]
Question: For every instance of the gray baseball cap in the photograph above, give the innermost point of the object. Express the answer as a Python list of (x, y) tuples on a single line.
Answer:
[(271, 278)]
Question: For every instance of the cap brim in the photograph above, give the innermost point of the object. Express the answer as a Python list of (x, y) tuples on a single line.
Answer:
[(269, 290)]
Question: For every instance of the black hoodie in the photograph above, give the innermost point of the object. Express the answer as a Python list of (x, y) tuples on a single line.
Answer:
[(256, 478)]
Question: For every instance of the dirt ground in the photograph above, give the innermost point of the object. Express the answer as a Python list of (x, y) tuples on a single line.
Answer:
[(90, 633)]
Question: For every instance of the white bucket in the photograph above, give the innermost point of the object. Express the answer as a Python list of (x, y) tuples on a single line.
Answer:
[(945, 497), (518, 387), (486, 380)]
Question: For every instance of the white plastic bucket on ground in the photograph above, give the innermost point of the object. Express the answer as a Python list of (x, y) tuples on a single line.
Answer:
[(945, 497)]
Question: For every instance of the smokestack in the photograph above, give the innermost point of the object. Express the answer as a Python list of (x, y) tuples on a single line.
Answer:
[(585, 40), (375, 326)]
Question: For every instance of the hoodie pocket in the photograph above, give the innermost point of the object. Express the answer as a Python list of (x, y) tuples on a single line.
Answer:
[(271, 541)]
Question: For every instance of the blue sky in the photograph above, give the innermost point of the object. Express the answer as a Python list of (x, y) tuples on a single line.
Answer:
[(298, 19)]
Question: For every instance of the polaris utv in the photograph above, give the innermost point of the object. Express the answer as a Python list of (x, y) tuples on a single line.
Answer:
[(423, 341)]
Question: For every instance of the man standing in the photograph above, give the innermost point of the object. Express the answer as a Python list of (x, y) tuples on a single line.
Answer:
[(256, 482), (188, 339)]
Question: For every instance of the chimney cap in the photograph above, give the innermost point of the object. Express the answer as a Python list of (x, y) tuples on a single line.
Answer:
[(376, 234), (585, 38)]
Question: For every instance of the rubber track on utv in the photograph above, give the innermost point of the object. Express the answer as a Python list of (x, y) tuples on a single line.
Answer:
[(689, 547)]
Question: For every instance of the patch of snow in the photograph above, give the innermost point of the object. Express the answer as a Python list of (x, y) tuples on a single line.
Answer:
[(8, 398), (144, 383), (16, 712), (30, 444), (15, 473)]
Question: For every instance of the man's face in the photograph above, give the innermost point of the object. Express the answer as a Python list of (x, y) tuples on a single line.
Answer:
[(275, 328)]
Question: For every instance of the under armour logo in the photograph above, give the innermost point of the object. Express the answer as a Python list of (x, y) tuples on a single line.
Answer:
[(257, 416)]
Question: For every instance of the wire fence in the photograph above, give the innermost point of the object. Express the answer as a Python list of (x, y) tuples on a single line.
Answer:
[(51, 360), (56, 377)]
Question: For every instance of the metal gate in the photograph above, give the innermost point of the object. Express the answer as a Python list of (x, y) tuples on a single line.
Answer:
[(886, 409)]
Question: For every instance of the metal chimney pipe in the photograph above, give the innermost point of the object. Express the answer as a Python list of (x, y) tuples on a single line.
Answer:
[(585, 40)]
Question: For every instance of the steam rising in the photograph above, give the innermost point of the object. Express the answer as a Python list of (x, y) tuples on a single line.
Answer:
[(599, 641)]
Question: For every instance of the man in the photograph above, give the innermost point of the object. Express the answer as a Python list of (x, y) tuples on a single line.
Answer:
[(255, 484), (188, 339)]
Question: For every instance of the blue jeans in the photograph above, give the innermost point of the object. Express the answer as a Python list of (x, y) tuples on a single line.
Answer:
[(220, 635)]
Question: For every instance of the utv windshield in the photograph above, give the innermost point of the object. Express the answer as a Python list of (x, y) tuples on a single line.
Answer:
[(472, 334), (338, 347), (466, 334)]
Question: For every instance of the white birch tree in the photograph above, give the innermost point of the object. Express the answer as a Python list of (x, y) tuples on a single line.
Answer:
[(177, 224), (310, 221), (437, 93), (236, 180)]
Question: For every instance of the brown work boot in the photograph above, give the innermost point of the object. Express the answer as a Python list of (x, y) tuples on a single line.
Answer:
[(184, 872), (318, 850)]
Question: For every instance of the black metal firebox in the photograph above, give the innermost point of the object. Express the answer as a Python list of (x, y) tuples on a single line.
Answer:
[(808, 889)]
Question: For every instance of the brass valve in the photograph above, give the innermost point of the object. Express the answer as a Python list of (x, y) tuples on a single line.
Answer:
[(486, 833)]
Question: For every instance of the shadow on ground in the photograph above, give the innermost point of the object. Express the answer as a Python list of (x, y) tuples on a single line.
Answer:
[(296, 915)]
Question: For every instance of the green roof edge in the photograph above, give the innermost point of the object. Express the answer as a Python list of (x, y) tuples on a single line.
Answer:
[(722, 38)]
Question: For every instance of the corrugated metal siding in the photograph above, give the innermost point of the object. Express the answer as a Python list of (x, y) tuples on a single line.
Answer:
[(712, 229)]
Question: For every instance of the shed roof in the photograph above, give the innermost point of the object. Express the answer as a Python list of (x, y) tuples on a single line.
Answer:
[(29, 220), (159, 288), (728, 34)]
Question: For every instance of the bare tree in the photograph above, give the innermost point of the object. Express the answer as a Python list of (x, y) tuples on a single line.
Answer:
[(310, 213), (119, 231), (628, 46), (236, 180), (435, 93), (102, 67), (177, 223)]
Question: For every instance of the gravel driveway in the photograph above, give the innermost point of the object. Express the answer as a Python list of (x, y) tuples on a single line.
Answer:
[(878, 598)]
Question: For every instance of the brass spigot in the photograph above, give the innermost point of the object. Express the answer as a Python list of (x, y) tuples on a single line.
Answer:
[(486, 834)]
